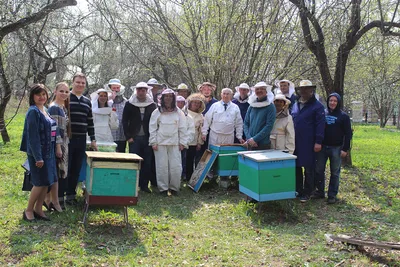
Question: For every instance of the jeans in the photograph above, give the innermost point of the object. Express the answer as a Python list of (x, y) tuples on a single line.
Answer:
[(140, 146), (333, 154), (76, 153), (304, 182)]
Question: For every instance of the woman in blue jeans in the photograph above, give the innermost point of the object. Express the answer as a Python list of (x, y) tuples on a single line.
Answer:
[(335, 145), (38, 141)]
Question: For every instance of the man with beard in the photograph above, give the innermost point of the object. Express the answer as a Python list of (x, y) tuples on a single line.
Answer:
[(309, 123)]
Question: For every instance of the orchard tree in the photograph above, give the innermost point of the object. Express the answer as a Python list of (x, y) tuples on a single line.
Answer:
[(12, 26)]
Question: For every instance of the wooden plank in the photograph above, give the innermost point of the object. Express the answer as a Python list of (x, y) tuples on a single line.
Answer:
[(116, 165), (363, 242), (113, 155), (202, 169), (111, 200)]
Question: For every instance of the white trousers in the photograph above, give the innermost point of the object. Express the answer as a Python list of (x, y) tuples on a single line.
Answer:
[(219, 139), (168, 167)]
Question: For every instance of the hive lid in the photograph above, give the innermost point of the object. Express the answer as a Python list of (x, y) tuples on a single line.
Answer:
[(267, 155)]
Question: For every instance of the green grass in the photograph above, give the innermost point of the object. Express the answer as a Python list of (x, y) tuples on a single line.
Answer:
[(214, 227)]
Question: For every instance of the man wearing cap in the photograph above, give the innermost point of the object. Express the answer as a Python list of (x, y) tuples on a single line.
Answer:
[(335, 146), (155, 90), (168, 137), (286, 87), (183, 90), (282, 134), (241, 98), (309, 123), (118, 105), (135, 120), (260, 117)]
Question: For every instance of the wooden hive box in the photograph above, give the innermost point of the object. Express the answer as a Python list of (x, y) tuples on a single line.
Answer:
[(267, 175), (112, 174), (227, 163)]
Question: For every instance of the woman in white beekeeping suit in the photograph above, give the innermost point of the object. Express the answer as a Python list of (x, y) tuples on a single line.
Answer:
[(167, 130), (104, 118)]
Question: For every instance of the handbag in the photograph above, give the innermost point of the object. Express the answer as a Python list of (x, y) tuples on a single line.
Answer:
[(27, 186)]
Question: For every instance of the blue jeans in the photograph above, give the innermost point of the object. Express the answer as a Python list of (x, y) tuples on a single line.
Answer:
[(140, 146), (333, 154)]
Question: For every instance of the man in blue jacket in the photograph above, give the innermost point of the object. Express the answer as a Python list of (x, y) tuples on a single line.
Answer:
[(309, 122), (335, 145)]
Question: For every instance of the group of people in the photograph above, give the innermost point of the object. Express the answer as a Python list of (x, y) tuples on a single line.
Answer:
[(171, 129)]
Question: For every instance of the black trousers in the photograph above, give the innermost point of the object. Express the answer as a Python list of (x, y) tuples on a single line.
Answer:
[(190, 161), (76, 150), (305, 181)]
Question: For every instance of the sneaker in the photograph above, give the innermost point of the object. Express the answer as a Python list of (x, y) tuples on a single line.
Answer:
[(164, 193), (317, 196), (174, 193), (304, 199), (145, 189), (332, 200)]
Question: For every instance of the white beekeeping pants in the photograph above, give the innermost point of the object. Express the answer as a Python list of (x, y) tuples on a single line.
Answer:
[(168, 167), (219, 139)]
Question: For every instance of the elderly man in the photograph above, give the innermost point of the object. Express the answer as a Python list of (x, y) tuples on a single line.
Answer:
[(135, 120), (309, 123), (260, 118), (183, 90), (223, 119), (119, 102), (286, 87)]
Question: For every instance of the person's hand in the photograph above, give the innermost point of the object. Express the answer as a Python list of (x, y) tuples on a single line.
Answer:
[(155, 147), (317, 147), (39, 163), (93, 146), (198, 147), (181, 147), (343, 154), (58, 151), (252, 143), (204, 137), (241, 141), (130, 140)]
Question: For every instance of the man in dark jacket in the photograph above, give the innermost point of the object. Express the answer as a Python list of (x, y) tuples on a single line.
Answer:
[(309, 122), (135, 120), (335, 145)]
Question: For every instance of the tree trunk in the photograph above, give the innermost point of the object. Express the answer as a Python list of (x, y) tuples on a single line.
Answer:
[(5, 98), (398, 115)]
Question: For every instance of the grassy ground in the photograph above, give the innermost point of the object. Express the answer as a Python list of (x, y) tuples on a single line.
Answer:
[(214, 227)]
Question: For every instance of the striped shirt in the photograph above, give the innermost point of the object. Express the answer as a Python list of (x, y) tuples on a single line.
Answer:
[(81, 117)]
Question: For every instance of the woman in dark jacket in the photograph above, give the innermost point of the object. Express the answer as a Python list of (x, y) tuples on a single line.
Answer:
[(38, 141)]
